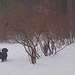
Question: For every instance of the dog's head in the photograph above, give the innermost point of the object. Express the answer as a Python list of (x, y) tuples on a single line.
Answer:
[(4, 50)]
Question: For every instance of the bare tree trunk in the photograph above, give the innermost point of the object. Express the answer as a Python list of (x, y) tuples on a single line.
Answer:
[(33, 57)]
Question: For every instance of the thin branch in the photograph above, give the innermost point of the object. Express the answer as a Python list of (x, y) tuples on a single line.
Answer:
[(59, 50)]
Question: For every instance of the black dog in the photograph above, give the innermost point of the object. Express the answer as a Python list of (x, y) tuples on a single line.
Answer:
[(3, 54)]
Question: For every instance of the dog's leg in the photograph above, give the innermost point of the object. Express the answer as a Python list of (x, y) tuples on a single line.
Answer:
[(2, 60)]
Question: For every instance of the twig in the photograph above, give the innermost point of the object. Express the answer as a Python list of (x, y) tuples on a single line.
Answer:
[(59, 50)]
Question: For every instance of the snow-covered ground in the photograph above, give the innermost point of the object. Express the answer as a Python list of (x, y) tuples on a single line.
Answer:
[(18, 63)]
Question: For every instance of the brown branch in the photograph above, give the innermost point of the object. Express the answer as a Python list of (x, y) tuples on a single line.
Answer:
[(59, 50)]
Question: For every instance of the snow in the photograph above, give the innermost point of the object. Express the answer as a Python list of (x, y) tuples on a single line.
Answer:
[(18, 63)]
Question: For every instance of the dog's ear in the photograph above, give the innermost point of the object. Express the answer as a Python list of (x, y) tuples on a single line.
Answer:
[(6, 50)]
